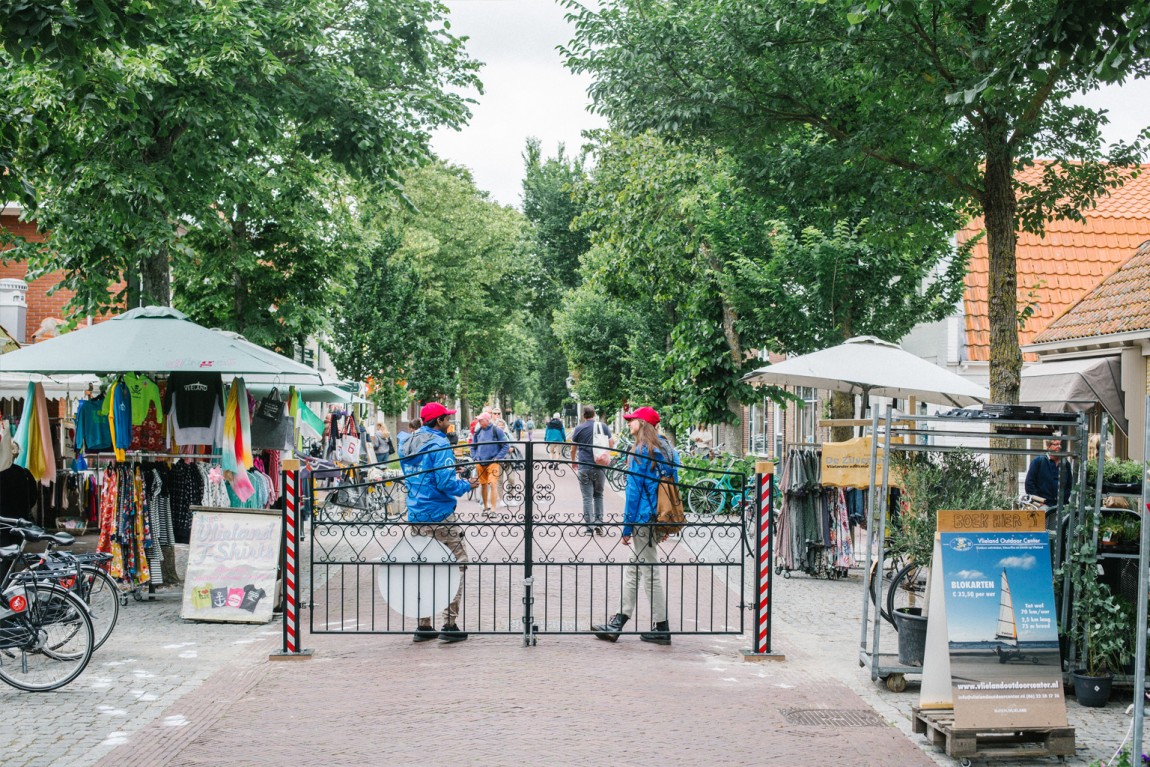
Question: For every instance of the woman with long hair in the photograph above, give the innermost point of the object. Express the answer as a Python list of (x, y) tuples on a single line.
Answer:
[(653, 459)]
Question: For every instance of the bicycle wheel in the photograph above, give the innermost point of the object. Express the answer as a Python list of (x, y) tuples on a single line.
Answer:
[(704, 497), (880, 581), (565, 451), (907, 588), (49, 644), (616, 477), (102, 595)]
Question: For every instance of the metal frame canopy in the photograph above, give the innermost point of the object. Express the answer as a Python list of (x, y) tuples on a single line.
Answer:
[(869, 365), (155, 339)]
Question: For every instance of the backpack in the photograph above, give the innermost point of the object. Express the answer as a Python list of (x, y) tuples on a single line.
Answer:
[(602, 450)]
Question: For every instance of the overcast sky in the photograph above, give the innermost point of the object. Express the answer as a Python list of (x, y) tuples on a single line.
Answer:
[(528, 92)]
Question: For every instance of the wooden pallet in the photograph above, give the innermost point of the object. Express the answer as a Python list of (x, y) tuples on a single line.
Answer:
[(991, 742)]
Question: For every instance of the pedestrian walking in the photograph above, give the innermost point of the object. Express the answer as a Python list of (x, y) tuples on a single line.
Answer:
[(652, 457), (592, 476), (554, 435), (432, 489), (381, 442), (488, 447), (517, 426), (530, 425), (405, 462)]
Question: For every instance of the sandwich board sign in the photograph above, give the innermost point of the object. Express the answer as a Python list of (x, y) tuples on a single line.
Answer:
[(233, 559), (992, 637)]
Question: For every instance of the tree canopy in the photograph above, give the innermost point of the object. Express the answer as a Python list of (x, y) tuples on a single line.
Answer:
[(148, 152), (947, 97)]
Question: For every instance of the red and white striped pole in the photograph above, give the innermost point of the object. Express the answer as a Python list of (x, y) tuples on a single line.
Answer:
[(289, 567), (764, 564)]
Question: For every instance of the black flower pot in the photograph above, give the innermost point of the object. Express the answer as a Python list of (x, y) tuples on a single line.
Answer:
[(1122, 488), (1093, 691), (911, 626)]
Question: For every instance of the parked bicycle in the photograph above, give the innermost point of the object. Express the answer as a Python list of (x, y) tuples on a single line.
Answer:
[(46, 633)]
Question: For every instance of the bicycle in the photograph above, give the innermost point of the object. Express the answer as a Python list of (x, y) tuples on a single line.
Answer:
[(83, 574), (616, 470), (46, 634)]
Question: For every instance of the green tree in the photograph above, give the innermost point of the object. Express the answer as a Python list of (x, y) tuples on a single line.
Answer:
[(471, 260), (551, 204), (949, 97), (182, 131), (376, 330)]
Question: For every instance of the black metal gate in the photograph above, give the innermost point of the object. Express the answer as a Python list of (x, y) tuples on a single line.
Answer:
[(535, 565)]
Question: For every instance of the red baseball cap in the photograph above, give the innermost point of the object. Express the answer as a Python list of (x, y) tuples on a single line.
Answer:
[(433, 410), (647, 414)]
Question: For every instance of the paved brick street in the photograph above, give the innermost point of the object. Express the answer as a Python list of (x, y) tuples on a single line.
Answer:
[(166, 692)]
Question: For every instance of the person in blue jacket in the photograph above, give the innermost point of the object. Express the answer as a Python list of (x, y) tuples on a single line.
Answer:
[(432, 487), (407, 464), (653, 458)]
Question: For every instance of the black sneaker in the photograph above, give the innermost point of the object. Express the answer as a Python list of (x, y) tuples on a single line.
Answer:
[(424, 634), (451, 633)]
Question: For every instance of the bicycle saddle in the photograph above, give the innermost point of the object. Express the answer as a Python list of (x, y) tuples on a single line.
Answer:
[(9, 552), (37, 534)]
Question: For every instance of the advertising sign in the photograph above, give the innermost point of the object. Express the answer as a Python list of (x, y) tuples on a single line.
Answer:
[(1001, 620), (233, 558)]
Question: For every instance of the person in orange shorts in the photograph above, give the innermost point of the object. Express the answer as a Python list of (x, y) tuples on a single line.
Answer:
[(488, 448)]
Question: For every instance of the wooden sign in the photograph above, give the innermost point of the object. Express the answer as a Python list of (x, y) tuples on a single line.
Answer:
[(233, 559), (847, 464)]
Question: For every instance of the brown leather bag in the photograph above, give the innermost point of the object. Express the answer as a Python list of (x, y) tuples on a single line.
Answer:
[(671, 519)]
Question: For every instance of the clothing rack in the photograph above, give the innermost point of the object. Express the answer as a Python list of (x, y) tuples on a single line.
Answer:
[(142, 455)]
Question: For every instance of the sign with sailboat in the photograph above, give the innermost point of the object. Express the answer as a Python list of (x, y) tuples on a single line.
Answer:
[(1001, 625)]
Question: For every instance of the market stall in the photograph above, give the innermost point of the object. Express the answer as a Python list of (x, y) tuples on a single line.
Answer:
[(153, 444)]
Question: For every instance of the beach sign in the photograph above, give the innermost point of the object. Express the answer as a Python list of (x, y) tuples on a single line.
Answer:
[(994, 574)]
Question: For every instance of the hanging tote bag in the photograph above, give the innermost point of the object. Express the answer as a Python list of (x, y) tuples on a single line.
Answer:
[(348, 449), (271, 408), (273, 435), (602, 450)]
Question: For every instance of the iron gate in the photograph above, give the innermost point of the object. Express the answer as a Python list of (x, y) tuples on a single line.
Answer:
[(533, 565)]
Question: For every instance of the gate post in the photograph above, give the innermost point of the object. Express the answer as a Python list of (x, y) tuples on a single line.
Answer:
[(529, 638), (764, 564), (289, 505)]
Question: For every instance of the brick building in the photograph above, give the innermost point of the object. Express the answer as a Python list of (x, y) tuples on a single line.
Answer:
[(43, 303)]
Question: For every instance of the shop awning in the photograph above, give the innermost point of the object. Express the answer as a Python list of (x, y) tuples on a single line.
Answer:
[(1072, 386)]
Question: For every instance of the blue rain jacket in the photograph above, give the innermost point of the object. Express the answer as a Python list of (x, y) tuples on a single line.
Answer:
[(432, 485), (642, 504)]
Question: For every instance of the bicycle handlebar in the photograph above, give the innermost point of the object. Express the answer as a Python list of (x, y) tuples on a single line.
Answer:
[(17, 522)]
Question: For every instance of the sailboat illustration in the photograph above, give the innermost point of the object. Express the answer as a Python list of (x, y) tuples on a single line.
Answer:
[(1007, 632)]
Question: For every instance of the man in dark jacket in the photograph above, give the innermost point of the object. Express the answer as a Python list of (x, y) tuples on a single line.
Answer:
[(592, 476), (1049, 472), (432, 487)]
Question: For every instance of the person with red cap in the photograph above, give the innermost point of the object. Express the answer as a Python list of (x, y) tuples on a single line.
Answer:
[(653, 459), (432, 489)]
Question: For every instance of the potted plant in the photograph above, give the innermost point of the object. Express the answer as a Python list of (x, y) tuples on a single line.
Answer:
[(1118, 476), (1099, 623)]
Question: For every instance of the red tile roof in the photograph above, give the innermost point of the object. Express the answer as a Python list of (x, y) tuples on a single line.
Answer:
[(1063, 266), (1120, 304)]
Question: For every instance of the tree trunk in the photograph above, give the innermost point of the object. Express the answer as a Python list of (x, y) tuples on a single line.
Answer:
[(736, 349), (842, 406), (156, 279), (464, 400), (998, 206)]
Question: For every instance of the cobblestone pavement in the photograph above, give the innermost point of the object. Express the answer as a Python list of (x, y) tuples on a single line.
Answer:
[(166, 692)]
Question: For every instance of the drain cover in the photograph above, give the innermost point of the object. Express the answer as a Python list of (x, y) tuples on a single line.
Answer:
[(832, 717)]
